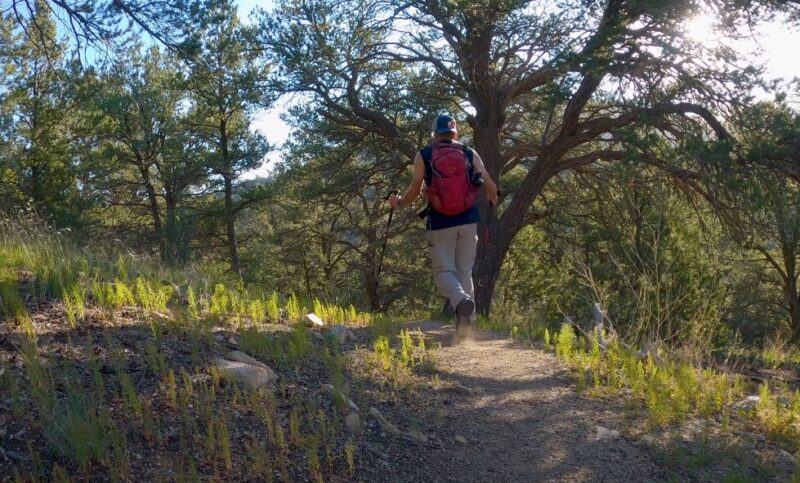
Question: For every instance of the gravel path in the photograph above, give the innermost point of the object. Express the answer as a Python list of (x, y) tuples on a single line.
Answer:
[(518, 417)]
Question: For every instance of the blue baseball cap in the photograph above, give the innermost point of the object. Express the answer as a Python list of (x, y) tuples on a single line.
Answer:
[(444, 123)]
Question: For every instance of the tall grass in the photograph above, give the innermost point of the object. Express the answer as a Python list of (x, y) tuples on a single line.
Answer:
[(54, 268), (94, 422), (672, 390)]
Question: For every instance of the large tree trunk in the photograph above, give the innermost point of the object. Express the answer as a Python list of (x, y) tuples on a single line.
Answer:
[(371, 287), (487, 270), (155, 210), (230, 214), (497, 234), (494, 239), (230, 223), (171, 238), (370, 269), (793, 300)]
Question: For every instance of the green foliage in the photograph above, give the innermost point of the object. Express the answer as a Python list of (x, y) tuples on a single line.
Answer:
[(220, 300), (191, 300), (151, 296), (13, 306), (79, 431), (299, 344), (294, 309), (273, 310), (74, 306), (671, 391), (383, 351), (565, 341)]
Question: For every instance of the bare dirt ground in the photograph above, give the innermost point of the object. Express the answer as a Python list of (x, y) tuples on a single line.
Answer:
[(489, 409), (505, 411)]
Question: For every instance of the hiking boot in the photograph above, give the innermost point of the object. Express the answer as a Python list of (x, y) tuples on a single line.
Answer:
[(464, 311)]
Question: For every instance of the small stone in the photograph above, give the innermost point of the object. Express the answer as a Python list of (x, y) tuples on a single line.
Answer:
[(233, 341), (239, 356), (787, 457), (461, 439), (220, 337), (747, 404), (754, 438), (647, 439), (353, 422), (17, 456), (253, 376), (198, 378), (605, 433), (384, 423), (162, 315), (313, 320)]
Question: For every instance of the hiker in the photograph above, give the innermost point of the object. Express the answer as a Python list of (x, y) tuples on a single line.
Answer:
[(453, 174)]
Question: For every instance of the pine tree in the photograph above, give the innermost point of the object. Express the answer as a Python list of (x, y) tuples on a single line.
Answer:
[(226, 84), (36, 161)]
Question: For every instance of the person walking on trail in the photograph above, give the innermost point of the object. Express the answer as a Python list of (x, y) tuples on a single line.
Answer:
[(453, 174)]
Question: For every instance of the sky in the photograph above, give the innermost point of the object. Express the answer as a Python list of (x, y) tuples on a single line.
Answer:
[(774, 44)]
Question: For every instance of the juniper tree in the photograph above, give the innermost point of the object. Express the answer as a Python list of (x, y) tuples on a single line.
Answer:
[(102, 23), (766, 188), (545, 88)]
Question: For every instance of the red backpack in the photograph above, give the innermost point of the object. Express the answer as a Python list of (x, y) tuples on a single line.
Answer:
[(449, 170)]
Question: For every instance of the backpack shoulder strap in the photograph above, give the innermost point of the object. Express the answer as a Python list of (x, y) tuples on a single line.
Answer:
[(470, 154), (427, 155)]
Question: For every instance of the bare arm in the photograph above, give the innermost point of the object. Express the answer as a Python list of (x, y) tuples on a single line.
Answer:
[(414, 189), (489, 186)]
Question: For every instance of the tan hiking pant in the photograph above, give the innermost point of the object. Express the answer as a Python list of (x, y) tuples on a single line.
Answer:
[(453, 254)]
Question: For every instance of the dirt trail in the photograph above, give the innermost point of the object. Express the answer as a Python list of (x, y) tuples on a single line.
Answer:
[(521, 417)]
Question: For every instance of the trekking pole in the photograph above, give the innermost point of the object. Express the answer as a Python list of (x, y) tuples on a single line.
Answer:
[(383, 250)]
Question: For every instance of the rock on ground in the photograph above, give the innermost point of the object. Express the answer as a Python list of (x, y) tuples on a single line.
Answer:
[(352, 422), (250, 375), (313, 320), (384, 423), (239, 356), (747, 404), (605, 433)]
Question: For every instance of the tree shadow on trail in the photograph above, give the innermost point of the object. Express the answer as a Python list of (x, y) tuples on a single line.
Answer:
[(507, 412)]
